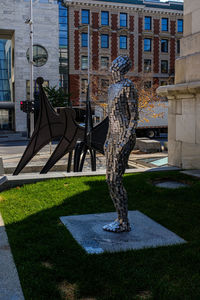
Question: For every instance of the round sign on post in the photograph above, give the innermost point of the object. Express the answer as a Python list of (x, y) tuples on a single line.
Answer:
[(40, 55)]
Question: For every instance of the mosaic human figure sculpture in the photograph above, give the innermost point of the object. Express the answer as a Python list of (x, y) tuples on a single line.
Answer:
[(121, 138)]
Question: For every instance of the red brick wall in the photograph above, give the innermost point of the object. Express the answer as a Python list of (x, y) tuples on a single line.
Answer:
[(95, 86), (131, 23), (140, 51), (76, 49), (156, 44), (156, 26), (173, 27), (156, 55), (172, 55), (114, 45), (76, 18), (140, 24), (74, 88), (95, 20), (114, 23), (95, 50), (131, 48)]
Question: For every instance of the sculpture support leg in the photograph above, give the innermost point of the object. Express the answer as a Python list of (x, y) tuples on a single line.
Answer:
[(116, 165)]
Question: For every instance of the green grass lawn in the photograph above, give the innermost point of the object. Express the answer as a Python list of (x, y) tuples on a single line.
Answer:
[(52, 265)]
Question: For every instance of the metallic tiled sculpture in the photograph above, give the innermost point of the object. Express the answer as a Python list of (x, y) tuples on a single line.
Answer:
[(121, 137)]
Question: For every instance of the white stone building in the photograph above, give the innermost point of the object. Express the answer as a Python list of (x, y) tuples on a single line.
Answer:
[(13, 14)]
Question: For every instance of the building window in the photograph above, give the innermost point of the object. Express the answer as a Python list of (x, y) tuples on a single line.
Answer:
[(178, 46), (5, 70), (163, 82), (63, 27), (105, 18), (164, 24), (180, 26), (123, 42), (104, 62), (147, 23), (123, 20), (147, 85), (104, 86), (147, 65), (84, 39), (85, 16), (104, 41), (84, 62), (84, 85), (147, 45), (164, 46), (40, 55), (164, 66)]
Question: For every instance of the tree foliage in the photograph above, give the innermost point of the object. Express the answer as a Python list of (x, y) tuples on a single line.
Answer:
[(57, 97)]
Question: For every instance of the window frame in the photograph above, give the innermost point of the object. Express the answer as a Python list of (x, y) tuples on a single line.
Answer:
[(178, 47), (148, 39), (121, 20), (145, 24), (107, 66), (107, 43), (82, 17), (163, 25), (145, 65), (85, 80), (107, 12), (180, 20), (82, 57), (161, 69), (121, 43), (84, 41), (163, 50)]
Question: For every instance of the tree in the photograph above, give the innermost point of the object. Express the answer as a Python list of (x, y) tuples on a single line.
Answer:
[(57, 97)]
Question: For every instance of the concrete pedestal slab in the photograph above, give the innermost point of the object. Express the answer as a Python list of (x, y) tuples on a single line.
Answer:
[(146, 233)]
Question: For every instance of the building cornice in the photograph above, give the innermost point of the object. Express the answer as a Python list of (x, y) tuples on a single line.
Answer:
[(124, 6)]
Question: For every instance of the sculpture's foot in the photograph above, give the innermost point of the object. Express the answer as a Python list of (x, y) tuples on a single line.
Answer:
[(117, 226)]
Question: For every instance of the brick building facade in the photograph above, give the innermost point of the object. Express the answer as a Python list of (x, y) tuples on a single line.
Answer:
[(147, 31)]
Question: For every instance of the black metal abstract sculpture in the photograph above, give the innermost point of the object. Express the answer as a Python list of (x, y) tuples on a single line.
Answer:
[(123, 116), (51, 125)]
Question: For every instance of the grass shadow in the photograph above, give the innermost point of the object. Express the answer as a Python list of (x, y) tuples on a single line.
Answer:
[(48, 258)]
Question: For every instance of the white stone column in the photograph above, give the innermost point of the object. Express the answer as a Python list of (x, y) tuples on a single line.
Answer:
[(184, 96)]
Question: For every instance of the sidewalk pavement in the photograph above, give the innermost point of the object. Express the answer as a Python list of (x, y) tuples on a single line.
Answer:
[(10, 287)]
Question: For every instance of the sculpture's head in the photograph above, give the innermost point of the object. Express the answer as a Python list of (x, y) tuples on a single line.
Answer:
[(120, 66)]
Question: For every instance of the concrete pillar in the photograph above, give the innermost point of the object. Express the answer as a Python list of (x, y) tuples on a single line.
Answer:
[(184, 96)]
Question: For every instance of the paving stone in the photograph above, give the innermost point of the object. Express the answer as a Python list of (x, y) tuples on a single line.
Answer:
[(87, 231)]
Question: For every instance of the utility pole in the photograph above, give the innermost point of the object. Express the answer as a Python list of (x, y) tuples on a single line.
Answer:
[(31, 66), (30, 116)]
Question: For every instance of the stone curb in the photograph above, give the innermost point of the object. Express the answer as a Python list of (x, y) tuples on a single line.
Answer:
[(13, 181), (10, 287)]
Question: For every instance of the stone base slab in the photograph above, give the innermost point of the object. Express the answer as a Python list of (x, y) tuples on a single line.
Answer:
[(146, 233)]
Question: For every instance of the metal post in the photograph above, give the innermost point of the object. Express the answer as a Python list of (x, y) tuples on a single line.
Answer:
[(31, 65), (88, 54)]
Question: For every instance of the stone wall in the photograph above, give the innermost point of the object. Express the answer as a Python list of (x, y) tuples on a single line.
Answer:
[(184, 97), (46, 33)]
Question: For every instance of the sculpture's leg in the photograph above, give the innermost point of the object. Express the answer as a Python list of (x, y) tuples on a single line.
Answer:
[(69, 162), (83, 155), (116, 165), (93, 159), (77, 155)]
